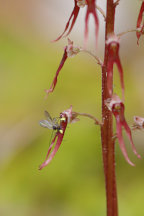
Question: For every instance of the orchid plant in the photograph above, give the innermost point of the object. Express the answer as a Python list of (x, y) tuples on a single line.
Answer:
[(112, 105)]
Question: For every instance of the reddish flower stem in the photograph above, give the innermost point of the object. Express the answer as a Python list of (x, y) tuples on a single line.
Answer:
[(108, 148)]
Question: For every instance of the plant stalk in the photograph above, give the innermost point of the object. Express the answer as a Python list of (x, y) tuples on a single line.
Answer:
[(108, 145)]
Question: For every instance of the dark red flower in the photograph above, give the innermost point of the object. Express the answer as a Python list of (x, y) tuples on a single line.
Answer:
[(140, 23), (117, 108), (66, 117), (72, 19), (91, 9), (69, 51), (113, 57)]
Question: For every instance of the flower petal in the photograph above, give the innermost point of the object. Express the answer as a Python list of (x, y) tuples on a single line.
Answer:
[(59, 135), (86, 28), (120, 139), (140, 25), (128, 132), (120, 69), (91, 8), (72, 17), (57, 73), (45, 163)]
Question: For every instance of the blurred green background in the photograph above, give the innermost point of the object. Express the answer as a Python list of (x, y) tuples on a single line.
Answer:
[(73, 183)]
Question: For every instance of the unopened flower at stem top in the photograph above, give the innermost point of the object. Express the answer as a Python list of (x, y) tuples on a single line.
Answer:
[(140, 23), (117, 108), (113, 46), (66, 117), (69, 51)]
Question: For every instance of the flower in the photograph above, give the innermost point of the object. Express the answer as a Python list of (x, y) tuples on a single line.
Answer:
[(69, 51), (139, 122), (66, 117), (113, 57), (117, 108), (72, 19), (140, 23), (91, 9)]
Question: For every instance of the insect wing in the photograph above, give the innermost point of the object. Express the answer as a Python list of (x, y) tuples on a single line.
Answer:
[(46, 124), (47, 115), (52, 121)]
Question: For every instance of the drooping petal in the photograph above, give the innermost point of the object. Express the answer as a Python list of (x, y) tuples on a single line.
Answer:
[(140, 23), (59, 135), (128, 132), (91, 9), (120, 69), (121, 141), (127, 129), (45, 163), (86, 28), (96, 25), (72, 19), (69, 51), (113, 57), (58, 143), (57, 72)]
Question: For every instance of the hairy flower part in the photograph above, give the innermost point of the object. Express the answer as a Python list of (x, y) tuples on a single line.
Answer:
[(72, 50), (72, 19), (66, 117), (117, 107), (91, 9), (140, 23), (71, 116), (81, 3), (69, 51), (139, 122), (113, 57)]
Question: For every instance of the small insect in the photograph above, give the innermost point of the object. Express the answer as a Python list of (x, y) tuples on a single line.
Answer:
[(51, 123)]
